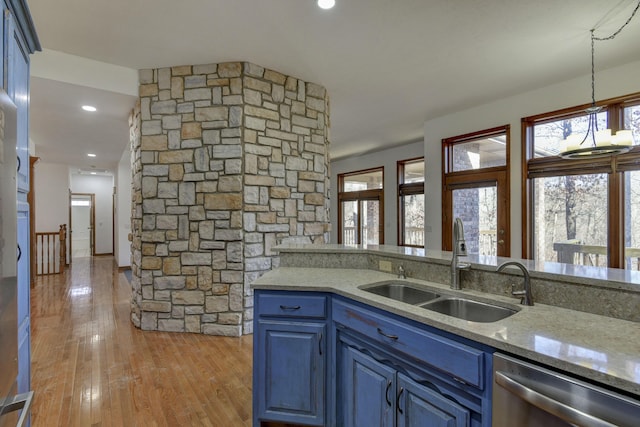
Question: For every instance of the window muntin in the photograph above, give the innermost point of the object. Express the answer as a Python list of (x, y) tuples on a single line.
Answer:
[(614, 205)]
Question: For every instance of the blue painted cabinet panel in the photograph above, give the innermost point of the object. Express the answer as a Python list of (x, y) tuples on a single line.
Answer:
[(437, 379), (16, 83), (374, 394), (420, 406), (368, 391), (18, 90), (24, 324), (291, 371)]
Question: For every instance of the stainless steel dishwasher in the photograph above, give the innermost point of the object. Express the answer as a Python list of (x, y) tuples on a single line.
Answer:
[(526, 395)]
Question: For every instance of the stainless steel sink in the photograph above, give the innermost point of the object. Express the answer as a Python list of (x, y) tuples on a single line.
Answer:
[(401, 291), (465, 309)]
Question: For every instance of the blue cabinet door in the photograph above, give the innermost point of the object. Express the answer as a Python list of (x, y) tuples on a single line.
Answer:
[(290, 383), (18, 90), (24, 324), (369, 391), (420, 406)]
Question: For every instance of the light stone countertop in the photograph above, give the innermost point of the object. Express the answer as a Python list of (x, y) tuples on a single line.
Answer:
[(599, 348)]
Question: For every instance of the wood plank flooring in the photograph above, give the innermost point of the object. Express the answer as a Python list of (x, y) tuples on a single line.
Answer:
[(92, 367)]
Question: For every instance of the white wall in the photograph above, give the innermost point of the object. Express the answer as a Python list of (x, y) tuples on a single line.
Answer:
[(52, 196), (610, 83), (387, 158), (102, 187), (123, 211)]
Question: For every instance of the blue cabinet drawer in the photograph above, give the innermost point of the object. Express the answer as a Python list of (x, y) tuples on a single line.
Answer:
[(458, 360), (291, 305)]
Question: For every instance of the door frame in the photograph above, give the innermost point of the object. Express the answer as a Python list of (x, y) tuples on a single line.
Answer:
[(497, 178), (92, 223)]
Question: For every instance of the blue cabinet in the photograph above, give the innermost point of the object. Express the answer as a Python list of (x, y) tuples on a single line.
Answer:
[(19, 40), (24, 311), (391, 371), (18, 90), (419, 405), (290, 358), (374, 394), (324, 360), (367, 391)]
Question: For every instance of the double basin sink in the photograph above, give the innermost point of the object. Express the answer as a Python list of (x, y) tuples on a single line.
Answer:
[(435, 300)]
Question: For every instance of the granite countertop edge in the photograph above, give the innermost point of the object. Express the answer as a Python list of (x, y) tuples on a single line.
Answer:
[(613, 278), (610, 353)]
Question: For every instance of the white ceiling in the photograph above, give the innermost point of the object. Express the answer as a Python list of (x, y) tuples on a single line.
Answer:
[(389, 65)]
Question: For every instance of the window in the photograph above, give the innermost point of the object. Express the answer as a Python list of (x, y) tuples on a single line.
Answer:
[(476, 188), (360, 207), (581, 211), (411, 202)]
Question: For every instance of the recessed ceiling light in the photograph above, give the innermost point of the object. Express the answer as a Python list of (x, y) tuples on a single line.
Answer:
[(94, 173), (91, 155), (326, 4), (90, 108)]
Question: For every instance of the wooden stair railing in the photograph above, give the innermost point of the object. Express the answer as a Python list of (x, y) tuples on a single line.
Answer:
[(51, 251)]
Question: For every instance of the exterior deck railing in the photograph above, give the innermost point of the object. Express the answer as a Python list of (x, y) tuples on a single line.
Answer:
[(574, 252)]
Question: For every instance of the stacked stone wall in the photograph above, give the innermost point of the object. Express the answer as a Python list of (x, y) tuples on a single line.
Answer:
[(232, 159), (136, 214)]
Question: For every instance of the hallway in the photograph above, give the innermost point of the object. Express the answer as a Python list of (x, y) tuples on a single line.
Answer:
[(91, 367)]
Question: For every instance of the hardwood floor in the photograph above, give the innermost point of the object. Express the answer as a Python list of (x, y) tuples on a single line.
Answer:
[(92, 367)]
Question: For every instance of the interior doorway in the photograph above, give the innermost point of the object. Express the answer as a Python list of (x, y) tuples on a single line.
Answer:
[(82, 221)]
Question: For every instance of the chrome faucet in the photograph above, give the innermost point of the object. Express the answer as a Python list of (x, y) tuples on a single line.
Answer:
[(402, 274), (526, 298), (459, 249)]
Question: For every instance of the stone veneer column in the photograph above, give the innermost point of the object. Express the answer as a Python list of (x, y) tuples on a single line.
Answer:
[(227, 160)]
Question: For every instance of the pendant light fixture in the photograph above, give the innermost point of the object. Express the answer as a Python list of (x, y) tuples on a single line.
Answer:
[(597, 142)]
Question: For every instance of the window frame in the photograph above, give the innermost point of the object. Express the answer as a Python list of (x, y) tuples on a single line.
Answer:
[(407, 189), (477, 178), (360, 196), (613, 165)]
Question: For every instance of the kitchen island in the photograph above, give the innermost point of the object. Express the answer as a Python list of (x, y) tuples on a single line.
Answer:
[(602, 349)]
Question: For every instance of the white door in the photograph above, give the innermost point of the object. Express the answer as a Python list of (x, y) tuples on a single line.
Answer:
[(81, 228)]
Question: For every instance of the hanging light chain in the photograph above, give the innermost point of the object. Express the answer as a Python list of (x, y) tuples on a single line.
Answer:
[(612, 36)]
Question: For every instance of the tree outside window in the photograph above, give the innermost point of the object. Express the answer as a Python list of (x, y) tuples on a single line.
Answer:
[(581, 211)]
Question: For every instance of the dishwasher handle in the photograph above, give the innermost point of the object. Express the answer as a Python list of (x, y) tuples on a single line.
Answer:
[(548, 404), (20, 402)]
